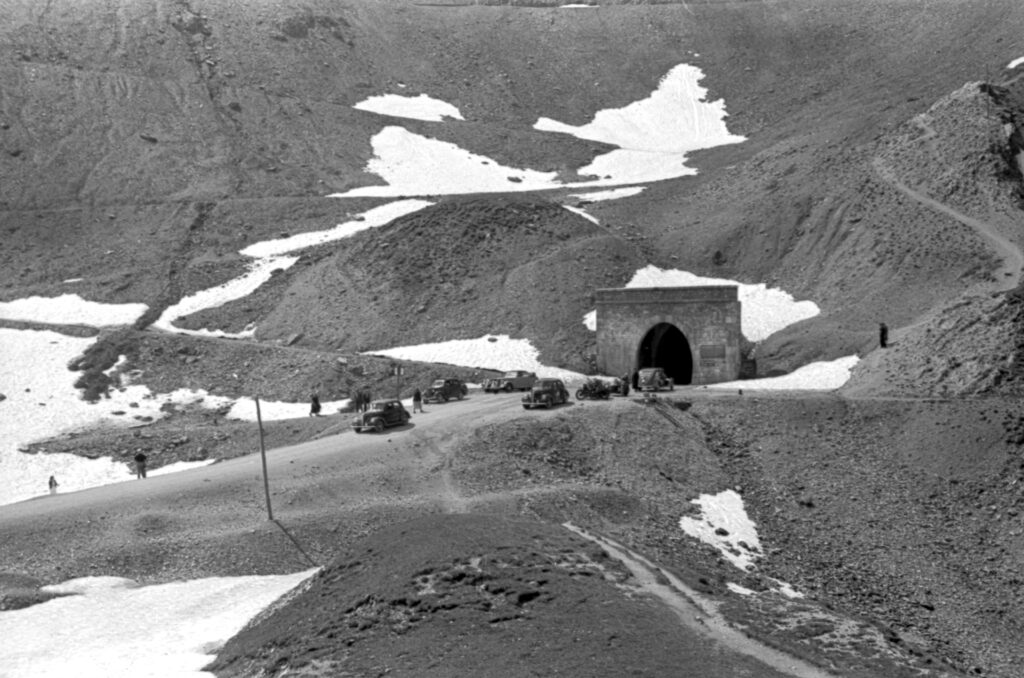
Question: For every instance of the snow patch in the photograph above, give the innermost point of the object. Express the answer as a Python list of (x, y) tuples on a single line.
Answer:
[(242, 286), (376, 217), (494, 352), (412, 164), (271, 410), (612, 194), (763, 310), (674, 119), (583, 213), (422, 107), (1016, 62), (724, 524), (816, 376), (111, 626), (70, 309), (742, 590)]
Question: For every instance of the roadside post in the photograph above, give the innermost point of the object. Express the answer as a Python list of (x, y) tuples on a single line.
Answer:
[(263, 457), (397, 370)]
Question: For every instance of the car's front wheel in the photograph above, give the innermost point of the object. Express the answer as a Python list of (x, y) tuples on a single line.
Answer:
[(378, 425)]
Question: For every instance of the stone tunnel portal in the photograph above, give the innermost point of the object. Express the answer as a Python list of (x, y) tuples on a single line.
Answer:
[(693, 333), (666, 346)]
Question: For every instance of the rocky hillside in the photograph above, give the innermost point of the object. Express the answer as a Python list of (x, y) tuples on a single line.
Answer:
[(144, 147)]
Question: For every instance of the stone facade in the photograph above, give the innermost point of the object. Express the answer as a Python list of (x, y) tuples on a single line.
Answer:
[(693, 332)]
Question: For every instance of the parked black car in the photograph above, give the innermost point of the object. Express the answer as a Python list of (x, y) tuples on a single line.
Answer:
[(443, 390), (546, 393), (380, 415)]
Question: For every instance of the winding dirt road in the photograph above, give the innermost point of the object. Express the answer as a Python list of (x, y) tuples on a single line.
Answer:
[(1008, 273), (212, 521)]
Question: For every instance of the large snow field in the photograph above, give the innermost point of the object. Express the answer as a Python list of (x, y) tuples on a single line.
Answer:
[(113, 627), (41, 402), (653, 136)]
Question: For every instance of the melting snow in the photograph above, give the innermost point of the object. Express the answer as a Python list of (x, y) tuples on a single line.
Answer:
[(70, 309), (422, 107), (675, 118), (412, 164), (724, 524), (271, 410), (764, 311), (653, 135), (582, 212), (725, 512), (494, 352), (378, 216), (817, 376), (42, 402), (113, 627), (259, 272), (611, 194)]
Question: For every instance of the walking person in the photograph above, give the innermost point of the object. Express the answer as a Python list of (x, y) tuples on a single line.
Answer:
[(53, 485), (417, 401), (140, 465), (314, 404), (883, 335)]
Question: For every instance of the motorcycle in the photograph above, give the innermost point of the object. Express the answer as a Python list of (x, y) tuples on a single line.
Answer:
[(593, 389)]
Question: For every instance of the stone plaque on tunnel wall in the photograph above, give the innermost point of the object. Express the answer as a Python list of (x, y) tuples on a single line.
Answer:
[(692, 332)]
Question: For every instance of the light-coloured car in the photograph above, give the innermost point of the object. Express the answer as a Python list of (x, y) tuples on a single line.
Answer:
[(513, 380)]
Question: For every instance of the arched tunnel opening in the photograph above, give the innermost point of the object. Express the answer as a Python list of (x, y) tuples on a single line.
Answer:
[(665, 346)]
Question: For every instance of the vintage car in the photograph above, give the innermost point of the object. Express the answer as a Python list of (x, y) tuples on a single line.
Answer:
[(546, 393), (515, 380), (653, 379), (379, 415), (443, 390)]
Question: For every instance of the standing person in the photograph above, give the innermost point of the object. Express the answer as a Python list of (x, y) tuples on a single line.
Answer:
[(883, 335), (314, 404), (625, 384), (140, 465), (417, 401), (53, 485)]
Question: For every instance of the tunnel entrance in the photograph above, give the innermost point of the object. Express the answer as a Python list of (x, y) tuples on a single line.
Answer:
[(666, 347)]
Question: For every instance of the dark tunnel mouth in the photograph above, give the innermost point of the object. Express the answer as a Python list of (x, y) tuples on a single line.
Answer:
[(665, 346)]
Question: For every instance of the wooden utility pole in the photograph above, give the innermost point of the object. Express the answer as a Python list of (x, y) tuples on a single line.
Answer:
[(263, 457)]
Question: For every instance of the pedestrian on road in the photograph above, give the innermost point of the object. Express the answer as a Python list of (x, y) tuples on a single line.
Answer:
[(140, 465), (314, 405), (883, 335), (53, 485), (624, 384), (417, 401)]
